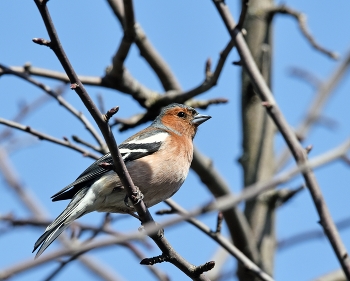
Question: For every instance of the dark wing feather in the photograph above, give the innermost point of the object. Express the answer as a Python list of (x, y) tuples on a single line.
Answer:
[(129, 152), (93, 171)]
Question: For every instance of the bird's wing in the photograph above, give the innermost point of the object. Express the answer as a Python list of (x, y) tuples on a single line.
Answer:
[(134, 148)]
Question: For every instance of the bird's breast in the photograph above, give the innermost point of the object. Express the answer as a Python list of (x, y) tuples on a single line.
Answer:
[(161, 174), (158, 176)]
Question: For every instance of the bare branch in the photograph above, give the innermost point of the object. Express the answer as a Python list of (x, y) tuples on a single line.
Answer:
[(337, 275), (305, 75), (46, 137), (222, 241), (208, 83), (178, 96), (150, 99), (245, 5), (62, 102), (23, 112), (147, 50), (30, 263), (289, 136), (10, 219), (59, 76), (116, 69), (315, 110), (237, 223), (306, 236), (219, 222), (301, 18), (87, 144)]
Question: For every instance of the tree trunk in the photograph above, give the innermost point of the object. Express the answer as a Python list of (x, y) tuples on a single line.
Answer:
[(258, 136)]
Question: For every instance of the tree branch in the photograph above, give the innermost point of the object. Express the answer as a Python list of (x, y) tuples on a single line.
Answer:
[(223, 242), (301, 19), (117, 67), (240, 230), (315, 109), (178, 96), (61, 101), (46, 137), (309, 235), (147, 51)]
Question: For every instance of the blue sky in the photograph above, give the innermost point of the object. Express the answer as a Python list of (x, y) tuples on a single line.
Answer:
[(185, 33)]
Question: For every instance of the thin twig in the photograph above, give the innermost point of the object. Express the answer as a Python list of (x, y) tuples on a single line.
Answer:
[(244, 10), (301, 18), (150, 99), (306, 76), (87, 144), (62, 102), (315, 109), (175, 96), (117, 67), (46, 137), (56, 75), (336, 275), (147, 50), (221, 240), (306, 236), (24, 111)]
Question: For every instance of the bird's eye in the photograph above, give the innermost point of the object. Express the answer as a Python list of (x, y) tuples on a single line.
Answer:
[(181, 114)]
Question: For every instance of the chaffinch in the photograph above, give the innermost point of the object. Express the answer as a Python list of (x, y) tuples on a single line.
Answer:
[(158, 159)]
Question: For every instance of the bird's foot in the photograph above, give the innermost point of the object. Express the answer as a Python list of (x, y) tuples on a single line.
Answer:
[(136, 198)]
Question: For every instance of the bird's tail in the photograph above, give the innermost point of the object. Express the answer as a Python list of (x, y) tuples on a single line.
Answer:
[(78, 207)]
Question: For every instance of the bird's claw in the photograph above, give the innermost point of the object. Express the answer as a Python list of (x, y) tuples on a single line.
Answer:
[(126, 201), (136, 198)]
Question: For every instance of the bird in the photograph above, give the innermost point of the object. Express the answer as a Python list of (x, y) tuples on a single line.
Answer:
[(158, 159)]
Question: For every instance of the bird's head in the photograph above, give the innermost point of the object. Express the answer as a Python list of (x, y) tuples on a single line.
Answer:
[(180, 118)]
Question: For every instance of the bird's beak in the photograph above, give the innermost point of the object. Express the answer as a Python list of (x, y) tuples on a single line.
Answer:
[(199, 119)]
